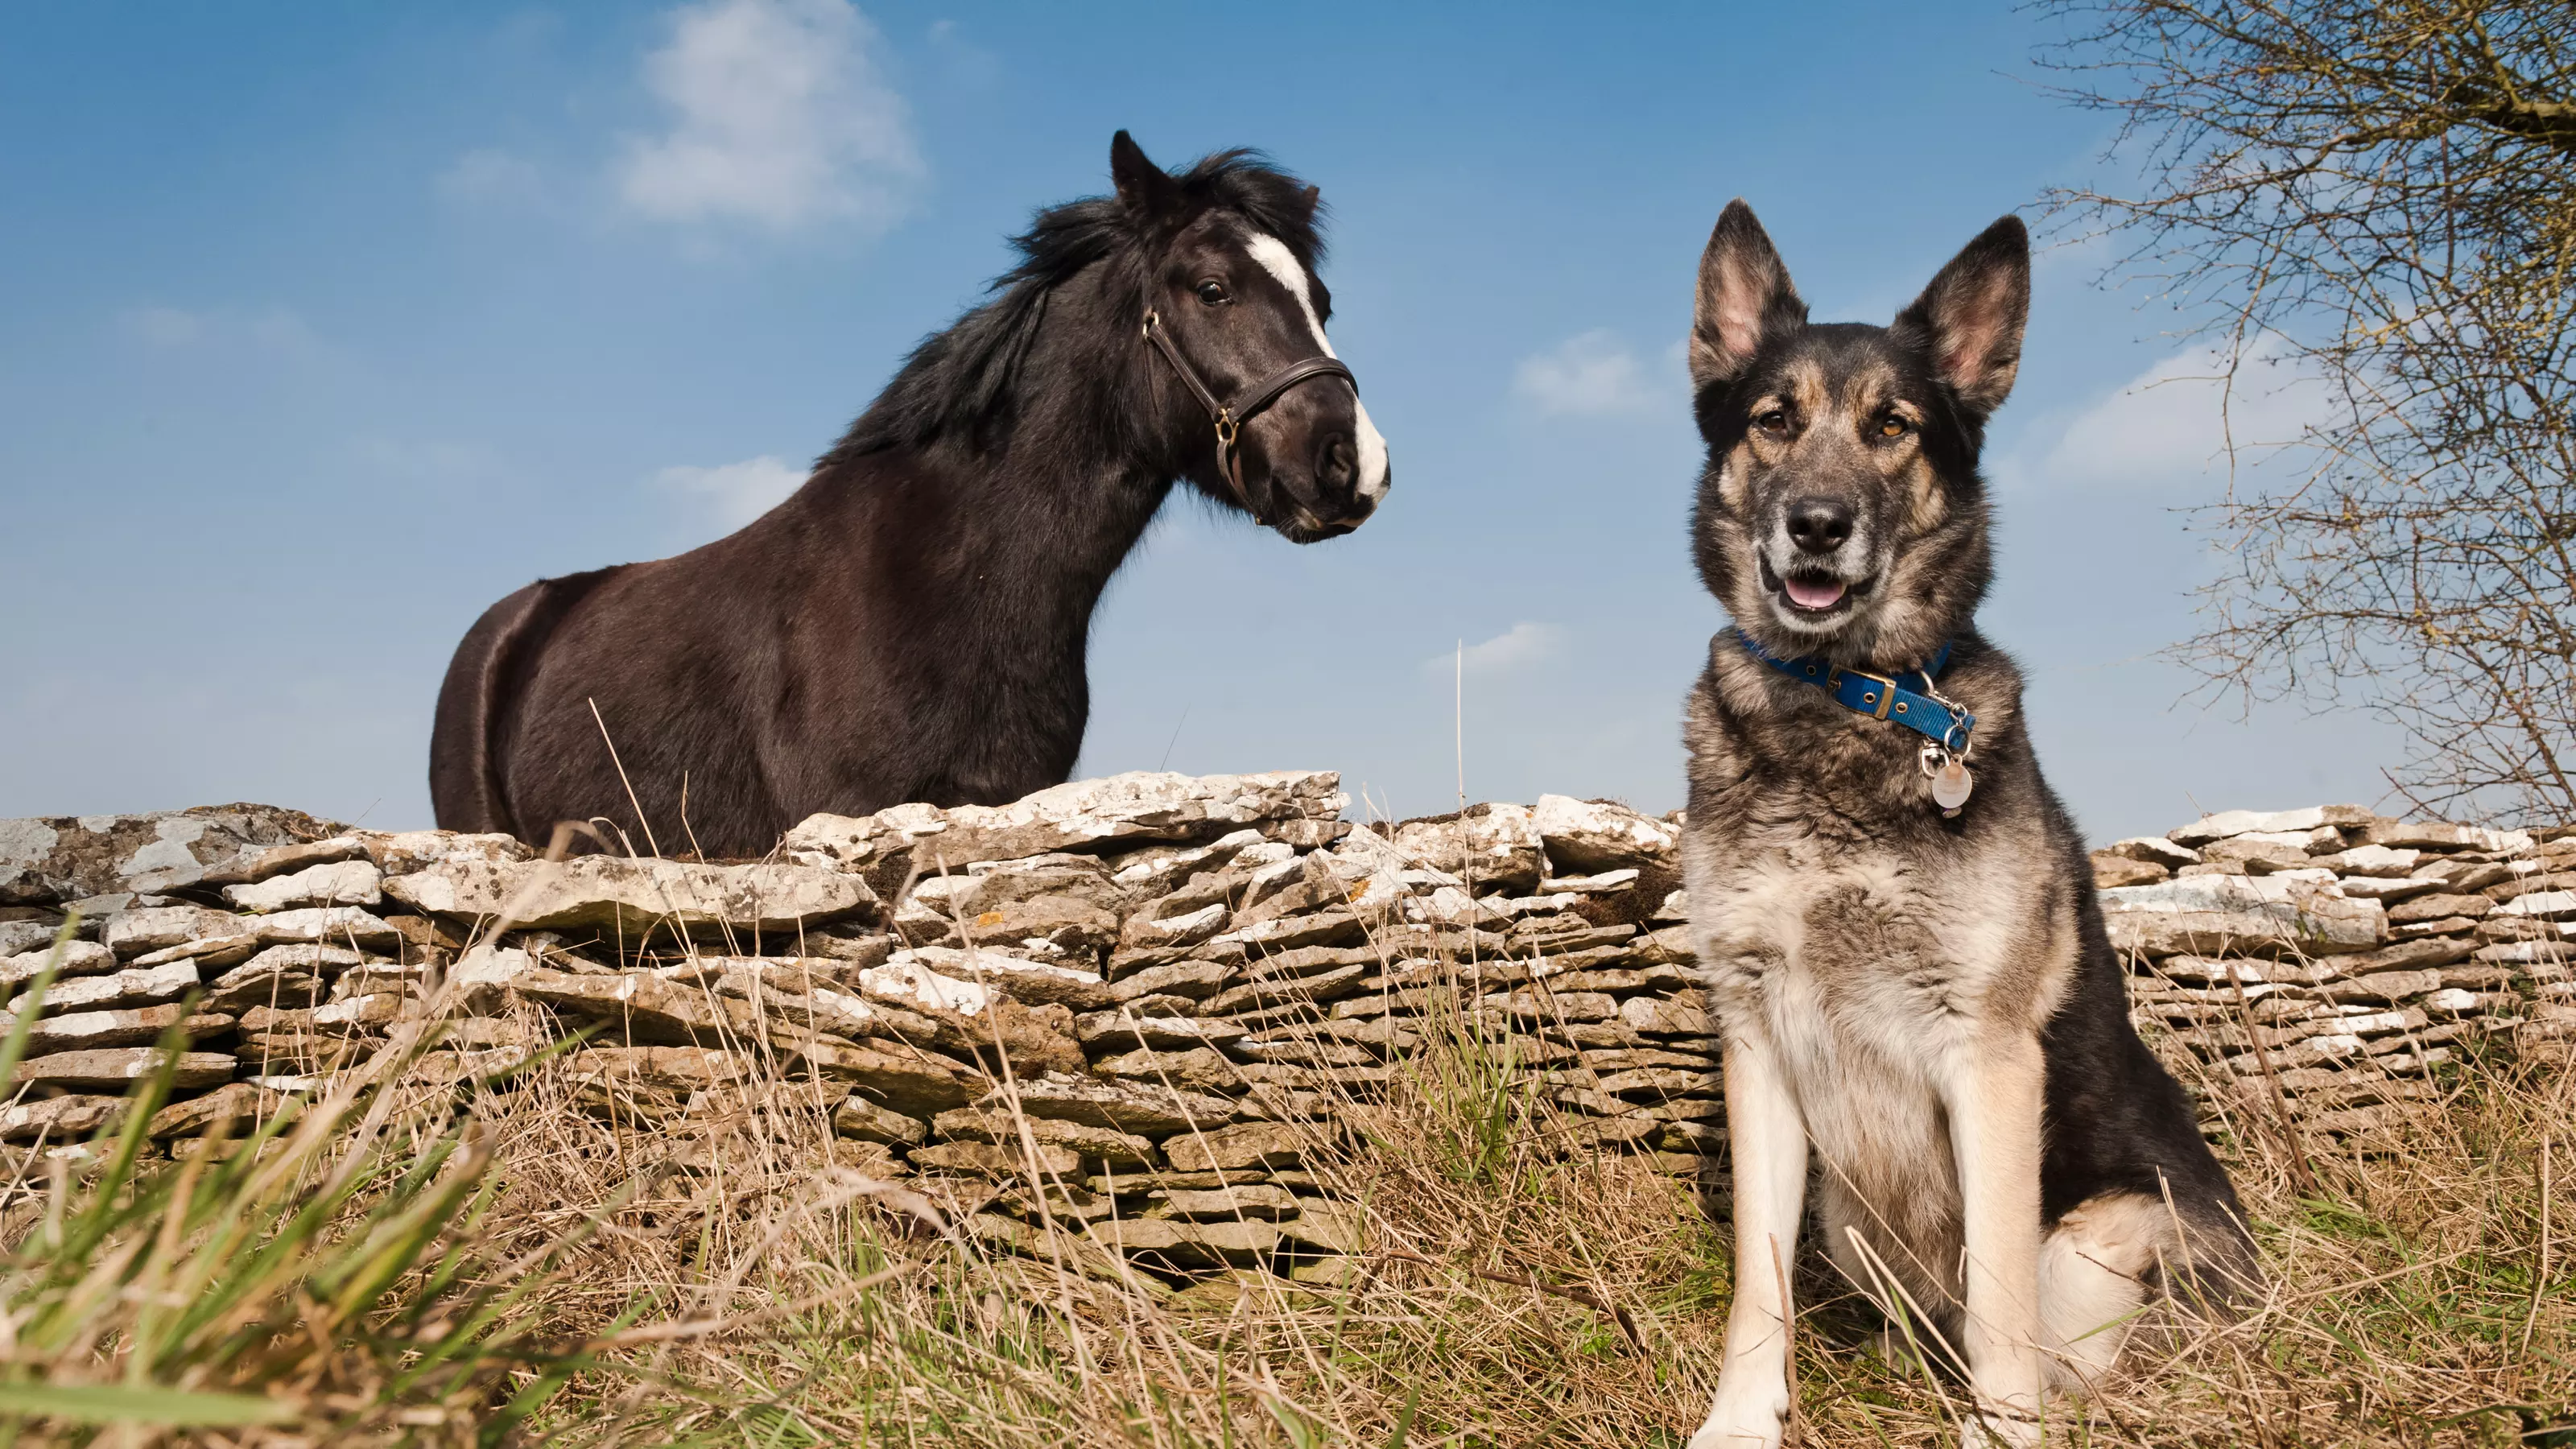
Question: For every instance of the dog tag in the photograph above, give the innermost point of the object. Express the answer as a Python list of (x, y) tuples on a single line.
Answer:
[(1950, 786)]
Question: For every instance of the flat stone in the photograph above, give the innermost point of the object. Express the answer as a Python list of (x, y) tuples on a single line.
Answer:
[(115, 1067), (369, 1013), (665, 1068), (1590, 835), (2442, 835), (59, 1118), (1201, 1069), (1248, 1146), (1150, 1111), (2372, 860), (346, 926), (2154, 850), (70, 858), (75, 958), (151, 928), (1496, 846), (333, 883), (81, 1030), (1196, 980), (406, 852), (986, 1159), (1038, 983), (1257, 995), (2388, 890), (288, 859), (279, 976), (1060, 923), (1334, 927), (1330, 1226), (615, 893), (1248, 1202), (1107, 1029), (1082, 815), (2229, 823), (1185, 929), (2211, 913), (19, 935), (135, 986), (242, 1104), (1112, 1149), (2111, 871), (910, 1081), (2438, 907), (1665, 1016), (484, 978), (2556, 905), (865, 1121), (1189, 1245)]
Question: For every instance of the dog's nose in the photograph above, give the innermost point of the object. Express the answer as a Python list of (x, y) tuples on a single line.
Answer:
[(1337, 466), (1819, 525)]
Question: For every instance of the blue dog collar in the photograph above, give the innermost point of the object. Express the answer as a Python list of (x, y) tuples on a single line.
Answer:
[(1913, 705)]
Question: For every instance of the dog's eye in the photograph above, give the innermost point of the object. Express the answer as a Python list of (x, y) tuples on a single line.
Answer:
[(1774, 422), (1892, 427), (1212, 292)]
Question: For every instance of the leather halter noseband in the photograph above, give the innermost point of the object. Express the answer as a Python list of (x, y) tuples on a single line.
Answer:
[(1230, 417)]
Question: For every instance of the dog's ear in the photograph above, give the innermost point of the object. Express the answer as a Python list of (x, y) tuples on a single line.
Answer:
[(1973, 312), (1744, 298), (1147, 191)]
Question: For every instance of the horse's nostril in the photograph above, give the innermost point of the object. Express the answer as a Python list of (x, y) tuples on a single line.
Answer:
[(1337, 465), (1819, 525)]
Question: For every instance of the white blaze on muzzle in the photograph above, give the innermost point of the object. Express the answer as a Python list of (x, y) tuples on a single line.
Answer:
[(1278, 261)]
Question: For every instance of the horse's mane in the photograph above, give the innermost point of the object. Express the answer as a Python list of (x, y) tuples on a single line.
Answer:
[(964, 383)]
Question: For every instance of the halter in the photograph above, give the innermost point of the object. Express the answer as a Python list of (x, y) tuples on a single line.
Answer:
[(1230, 417)]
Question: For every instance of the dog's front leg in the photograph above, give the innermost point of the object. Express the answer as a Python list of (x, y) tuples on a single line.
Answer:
[(1767, 1138), (1995, 1138)]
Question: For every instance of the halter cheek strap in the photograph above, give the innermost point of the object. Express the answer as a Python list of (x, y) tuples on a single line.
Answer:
[(1230, 417)]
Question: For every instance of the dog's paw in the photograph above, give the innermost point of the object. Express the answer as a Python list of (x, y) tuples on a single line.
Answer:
[(1740, 1420), (2002, 1428)]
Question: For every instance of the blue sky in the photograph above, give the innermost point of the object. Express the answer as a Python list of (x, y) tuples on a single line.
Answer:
[(325, 327)]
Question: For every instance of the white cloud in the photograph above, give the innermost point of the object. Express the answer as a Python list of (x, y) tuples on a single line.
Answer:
[(780, 116), (266, 330), (164, 326), (2175, 422), (1593, 375), (491, 176), (736, 493), (1514, 649)]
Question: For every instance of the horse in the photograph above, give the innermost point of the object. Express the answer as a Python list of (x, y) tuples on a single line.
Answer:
[(911, 623)]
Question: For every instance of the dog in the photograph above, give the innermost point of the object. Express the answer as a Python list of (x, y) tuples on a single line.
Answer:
[(1895, 917)]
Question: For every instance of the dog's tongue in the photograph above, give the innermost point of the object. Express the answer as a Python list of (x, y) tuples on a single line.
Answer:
[(1814, 594)]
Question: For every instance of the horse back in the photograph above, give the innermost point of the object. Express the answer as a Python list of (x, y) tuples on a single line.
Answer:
[(468, 741)]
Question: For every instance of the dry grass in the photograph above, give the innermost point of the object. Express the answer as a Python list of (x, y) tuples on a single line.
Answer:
[(2407, 1305), (723, 1280)]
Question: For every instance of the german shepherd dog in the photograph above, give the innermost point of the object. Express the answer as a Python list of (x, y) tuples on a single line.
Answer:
[(1896, 918)]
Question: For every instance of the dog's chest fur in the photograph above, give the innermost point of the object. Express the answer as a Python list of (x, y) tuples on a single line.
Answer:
[(1872, 944)]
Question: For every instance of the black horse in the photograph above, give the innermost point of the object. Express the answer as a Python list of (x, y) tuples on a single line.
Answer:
[(910, 625)]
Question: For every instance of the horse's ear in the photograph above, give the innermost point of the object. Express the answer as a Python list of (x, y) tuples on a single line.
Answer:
[(1744, 297), (1145, 189), (1309, 199), (1973, 314)]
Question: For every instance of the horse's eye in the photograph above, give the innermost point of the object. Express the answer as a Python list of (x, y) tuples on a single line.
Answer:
[(1212, 293), (1775, 421), (1891, 427)]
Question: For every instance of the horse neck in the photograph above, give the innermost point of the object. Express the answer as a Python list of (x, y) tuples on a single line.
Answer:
[(1046, 512)]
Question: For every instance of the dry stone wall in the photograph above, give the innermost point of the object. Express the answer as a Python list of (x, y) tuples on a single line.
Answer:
[(1160, 992)]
